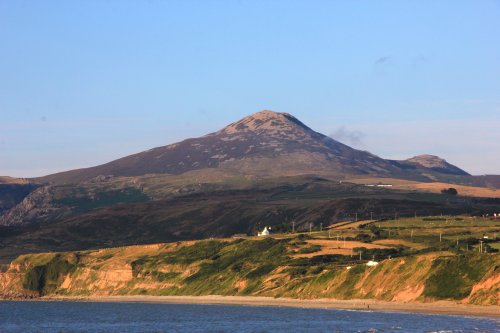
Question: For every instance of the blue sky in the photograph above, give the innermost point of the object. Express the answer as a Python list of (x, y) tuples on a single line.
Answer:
[(85, 82)]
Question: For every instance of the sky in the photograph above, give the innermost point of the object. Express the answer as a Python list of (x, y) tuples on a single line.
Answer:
[(86, 82)]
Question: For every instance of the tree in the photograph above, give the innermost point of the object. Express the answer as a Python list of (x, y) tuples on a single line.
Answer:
[(450, 191)]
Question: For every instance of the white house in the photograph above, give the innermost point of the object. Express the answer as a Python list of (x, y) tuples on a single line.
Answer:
[(265, 232), (371, 263)]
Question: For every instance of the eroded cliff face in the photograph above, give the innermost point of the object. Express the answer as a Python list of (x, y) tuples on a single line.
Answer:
[(250, 267), (11, 283), (487, 291)]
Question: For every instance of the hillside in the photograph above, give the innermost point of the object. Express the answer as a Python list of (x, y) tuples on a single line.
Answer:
[(266, 143), (416, 267), (149, 211), (13, 191), (268, 168), (437, 164)]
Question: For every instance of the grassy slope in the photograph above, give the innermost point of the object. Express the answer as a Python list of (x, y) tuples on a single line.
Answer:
[(154, 209), (273, 267)]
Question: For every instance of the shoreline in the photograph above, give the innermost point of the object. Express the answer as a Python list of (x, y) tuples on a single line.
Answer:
[(438, 307)]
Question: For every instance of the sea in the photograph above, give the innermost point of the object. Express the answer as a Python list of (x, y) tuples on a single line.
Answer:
[(65, 316)]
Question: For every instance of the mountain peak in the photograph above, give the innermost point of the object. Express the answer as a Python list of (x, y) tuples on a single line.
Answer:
[(436, 163), (264, 143), (266, 120), (428, 161)]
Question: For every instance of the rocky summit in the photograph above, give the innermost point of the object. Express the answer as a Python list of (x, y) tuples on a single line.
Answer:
[(266, 143)]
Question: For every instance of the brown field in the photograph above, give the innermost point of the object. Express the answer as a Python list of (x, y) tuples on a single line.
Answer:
[(462, 190), (332, 246), (396, 242), (435, 187), (349, 225)]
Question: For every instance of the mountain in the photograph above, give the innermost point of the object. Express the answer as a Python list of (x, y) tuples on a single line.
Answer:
[(268, 168), (437, 164), (266, 143)]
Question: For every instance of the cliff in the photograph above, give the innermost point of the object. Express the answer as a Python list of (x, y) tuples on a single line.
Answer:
[(264, 267)]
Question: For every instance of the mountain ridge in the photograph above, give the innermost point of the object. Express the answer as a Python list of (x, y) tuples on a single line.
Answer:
[(264, 143)]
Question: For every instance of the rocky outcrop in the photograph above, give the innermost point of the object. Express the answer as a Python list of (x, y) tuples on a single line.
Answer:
[(37, 207), (12, 193)]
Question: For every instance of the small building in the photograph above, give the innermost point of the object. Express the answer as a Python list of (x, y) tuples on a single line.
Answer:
[(371, 263), (265, 232)]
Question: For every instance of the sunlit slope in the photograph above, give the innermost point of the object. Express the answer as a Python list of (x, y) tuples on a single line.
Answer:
[(425, 264)]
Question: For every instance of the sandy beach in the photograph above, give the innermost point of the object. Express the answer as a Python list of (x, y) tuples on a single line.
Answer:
[(440, 307)]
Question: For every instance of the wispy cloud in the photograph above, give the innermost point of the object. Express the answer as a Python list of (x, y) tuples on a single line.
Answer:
[(469, 144), (348, 136), (419, 62), (382, 60)]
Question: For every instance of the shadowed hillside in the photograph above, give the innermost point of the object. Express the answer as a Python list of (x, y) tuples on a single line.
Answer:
[(220, 211)]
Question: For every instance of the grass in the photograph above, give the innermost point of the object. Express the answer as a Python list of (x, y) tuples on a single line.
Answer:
[(271, 267), (45, 278), (453, 277), (214, 203), (310, 249)]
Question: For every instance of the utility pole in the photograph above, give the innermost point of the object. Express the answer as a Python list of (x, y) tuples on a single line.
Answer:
[(371, 215), (359, 255), (321, 226), (356, 216), (310, 227), (440, 237), (329, 234), (480, 246), (293, 227)]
